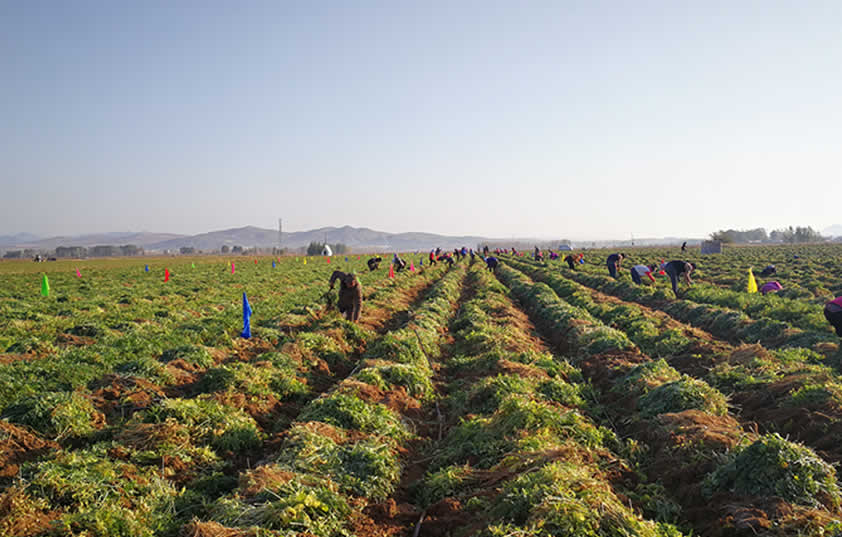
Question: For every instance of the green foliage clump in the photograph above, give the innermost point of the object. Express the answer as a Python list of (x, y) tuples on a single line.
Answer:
[(487, 394), (222, 427), (816, 394), (561, 392), (415, 378), (102, 496), (368, 467), (443, 483), (564, 498), (679, 395), (55, 414), (348, 411), (775, 466), (648, 376), (300, 506)]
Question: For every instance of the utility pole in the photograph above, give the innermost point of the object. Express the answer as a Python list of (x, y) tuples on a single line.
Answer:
[(280, 234)]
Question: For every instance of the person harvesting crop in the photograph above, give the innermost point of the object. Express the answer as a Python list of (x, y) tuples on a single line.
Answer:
[(491, 263), (674, 269), (771, 287), (833, 314), (350, 294), (768, 271), (613, 263), (642, 270), (374, 263)]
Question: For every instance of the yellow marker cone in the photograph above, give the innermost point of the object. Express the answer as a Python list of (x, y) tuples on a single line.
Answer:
[(752, 283)]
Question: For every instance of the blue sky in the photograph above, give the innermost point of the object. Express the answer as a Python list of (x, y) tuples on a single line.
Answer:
[(553, 119)]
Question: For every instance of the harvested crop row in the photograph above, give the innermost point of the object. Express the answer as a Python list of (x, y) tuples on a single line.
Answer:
[(733, 326), (222, 420), (520, 456), (343, 454), (789, 391), (726, 480)]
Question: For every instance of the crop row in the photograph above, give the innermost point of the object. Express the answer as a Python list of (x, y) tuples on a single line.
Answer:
[(723, 478), (521, 456), (343, 453), (769, 387), (130, 438), (727, 324)]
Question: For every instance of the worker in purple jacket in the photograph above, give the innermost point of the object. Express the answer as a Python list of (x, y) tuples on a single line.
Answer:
[(771, 287), (833, 314)]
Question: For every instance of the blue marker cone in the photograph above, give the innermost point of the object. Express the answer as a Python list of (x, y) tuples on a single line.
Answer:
[(273, 263), (147, 268), (247, 311)]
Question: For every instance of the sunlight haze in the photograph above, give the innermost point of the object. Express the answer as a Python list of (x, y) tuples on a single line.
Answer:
[(592, 120)]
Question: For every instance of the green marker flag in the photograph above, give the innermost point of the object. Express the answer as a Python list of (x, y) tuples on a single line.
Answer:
[(45, 286), (193, 265)]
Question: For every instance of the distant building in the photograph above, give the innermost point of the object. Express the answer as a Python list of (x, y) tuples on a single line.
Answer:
[(565, 248)]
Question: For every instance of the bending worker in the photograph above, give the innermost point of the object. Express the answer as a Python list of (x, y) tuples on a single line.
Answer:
[(642, 270), (613, 262), (374, 263), (833, 314), (674, 269), (350, 294), (491, 263)]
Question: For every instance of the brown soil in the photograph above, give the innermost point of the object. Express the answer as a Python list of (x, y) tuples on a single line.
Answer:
[(17, 445), (261, 478), (12, 358), (121, 396), (76, 341)]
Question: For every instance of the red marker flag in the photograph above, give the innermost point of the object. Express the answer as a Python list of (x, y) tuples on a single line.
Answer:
[(328, 260), (166, 275), (392, 271)]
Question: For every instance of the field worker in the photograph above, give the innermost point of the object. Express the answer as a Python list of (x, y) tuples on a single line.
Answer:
[(491, 263), (771, 287), (400, 264), (768, 271), (485, 250), (684, 246), (553, 255), (642, 270), (571, 261), (674, 269), (833, 314), (446, 258), (374, 263), (432, 258), (350, 294), (613, 263)]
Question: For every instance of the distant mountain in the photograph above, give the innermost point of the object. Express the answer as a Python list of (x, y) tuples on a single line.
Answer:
[(357, 238), (833, 231), (143, 239), (17, 238)]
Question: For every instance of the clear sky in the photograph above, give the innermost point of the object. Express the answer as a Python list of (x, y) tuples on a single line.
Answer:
[(584, 119)]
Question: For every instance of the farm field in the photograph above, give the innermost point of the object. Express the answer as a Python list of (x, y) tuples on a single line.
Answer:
[(531, 401)]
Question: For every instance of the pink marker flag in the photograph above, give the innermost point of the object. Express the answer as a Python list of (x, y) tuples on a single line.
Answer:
[(232, 267), (78, 274), (411, 267)]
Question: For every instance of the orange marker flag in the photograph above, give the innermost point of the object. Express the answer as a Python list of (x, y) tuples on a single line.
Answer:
[(166, 275), (391, 271)]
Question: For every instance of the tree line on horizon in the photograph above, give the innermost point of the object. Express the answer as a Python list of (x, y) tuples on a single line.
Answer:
[(789, 235)]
